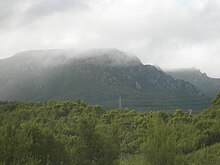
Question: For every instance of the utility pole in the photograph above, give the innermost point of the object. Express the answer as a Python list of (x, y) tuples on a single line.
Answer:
[(119, 102), (190, 111)]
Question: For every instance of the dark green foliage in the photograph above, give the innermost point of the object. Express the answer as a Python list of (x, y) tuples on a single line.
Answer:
[(56, 133), (160, 147), (75, 133), (207, 155), (216, 101)]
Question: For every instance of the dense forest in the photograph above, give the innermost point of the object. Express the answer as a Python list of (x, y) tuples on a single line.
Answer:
[(74, 133)]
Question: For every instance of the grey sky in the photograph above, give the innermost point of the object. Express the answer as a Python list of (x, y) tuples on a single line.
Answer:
[(168, 33)]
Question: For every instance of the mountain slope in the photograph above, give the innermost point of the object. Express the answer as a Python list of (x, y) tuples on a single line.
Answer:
[(210, 86), (96, 76)]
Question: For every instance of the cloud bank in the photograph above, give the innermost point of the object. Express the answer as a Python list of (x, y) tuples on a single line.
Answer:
[(168, 33)]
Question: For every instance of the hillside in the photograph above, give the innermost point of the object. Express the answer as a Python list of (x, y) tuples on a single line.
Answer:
[(97, 76), (210, 86)]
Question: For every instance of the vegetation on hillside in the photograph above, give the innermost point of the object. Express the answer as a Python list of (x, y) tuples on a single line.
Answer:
[(97, 77), (70, 132)]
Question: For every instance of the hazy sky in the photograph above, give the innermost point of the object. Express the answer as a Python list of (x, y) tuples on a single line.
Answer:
[(168, 33)]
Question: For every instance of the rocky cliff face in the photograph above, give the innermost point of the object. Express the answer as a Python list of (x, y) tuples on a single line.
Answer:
[(209, 86)]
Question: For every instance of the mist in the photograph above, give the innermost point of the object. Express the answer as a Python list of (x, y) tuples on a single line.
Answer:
[(171, 34)]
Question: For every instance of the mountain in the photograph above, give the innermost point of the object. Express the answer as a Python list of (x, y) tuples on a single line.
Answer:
[(210, 86), (98, 76)]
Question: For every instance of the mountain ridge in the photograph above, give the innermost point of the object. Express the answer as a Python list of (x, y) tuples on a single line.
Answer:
[(100, 77), (210, 86)]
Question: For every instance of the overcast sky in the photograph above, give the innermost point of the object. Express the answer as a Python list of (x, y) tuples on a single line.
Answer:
[(167, 33)]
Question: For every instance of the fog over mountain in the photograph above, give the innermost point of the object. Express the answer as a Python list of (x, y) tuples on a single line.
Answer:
[(98, 76), (175, 34), (210, 86)]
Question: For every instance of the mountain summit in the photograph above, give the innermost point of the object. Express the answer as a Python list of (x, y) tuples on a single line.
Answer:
[(108, 57), (96, 76)]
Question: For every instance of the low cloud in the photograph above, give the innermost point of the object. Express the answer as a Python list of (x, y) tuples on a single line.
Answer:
[(171, 33)]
